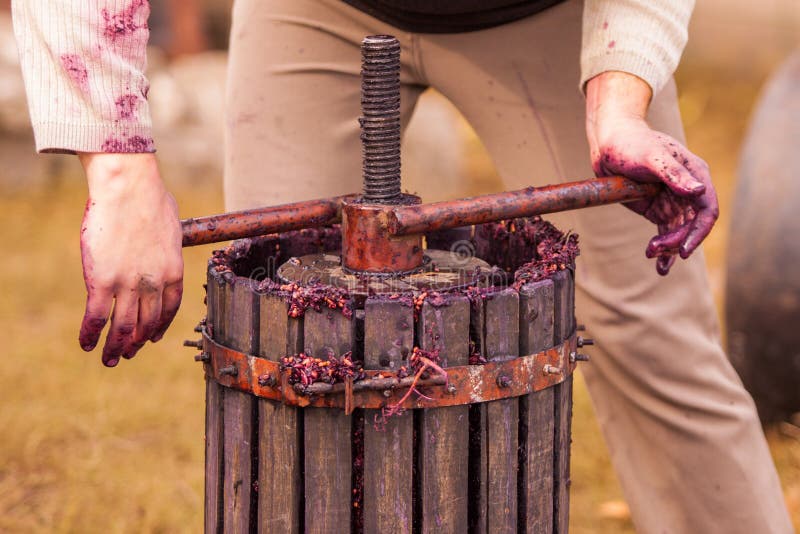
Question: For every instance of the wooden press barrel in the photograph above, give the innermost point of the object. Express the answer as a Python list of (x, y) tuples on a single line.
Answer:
[(499, 466)]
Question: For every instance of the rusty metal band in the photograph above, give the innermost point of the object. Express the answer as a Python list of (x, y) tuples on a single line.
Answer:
[(466, 384)]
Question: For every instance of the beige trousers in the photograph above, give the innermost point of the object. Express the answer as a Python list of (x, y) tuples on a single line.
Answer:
[(683, 433)]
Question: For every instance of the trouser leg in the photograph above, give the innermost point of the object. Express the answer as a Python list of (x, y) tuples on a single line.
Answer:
[(682, 431)]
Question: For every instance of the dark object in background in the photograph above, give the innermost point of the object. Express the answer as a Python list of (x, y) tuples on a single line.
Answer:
[(183, 27), (763, 280)]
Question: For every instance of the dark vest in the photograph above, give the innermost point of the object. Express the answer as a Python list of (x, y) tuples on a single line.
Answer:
[(449, 16)]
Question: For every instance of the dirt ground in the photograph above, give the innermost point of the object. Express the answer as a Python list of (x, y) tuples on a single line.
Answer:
[(86, 449)]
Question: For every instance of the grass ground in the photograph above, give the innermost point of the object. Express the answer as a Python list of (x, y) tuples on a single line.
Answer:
[(85, 449)]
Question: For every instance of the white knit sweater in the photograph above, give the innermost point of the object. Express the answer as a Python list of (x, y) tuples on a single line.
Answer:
[(84, 60)]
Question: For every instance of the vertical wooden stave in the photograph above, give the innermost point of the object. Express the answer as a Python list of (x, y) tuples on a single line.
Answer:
[(388, 451), (562, 395), (477, 470), (536, 415), (240, 334), (215, 299), (444, 432), (327, 433), (561, 445), (478, 463), (502, 416), (279, 455)]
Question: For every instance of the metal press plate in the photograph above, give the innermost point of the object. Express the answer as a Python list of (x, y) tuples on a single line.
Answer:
[(441, 271)]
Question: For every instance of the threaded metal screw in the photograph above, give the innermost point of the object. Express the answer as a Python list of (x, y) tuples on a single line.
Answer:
[(380, 121)]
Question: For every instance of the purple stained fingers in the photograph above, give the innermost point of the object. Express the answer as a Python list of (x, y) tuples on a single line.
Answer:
[(122, 328), (140, 314), (686, 211), (171, 301), (149, 315)]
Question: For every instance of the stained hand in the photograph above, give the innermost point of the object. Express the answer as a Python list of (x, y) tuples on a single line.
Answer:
[(621, 142), (131, 251)]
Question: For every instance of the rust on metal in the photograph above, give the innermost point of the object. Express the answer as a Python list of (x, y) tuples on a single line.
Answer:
[(417, 218), (514, 204), (465, 384), (262, 221), (367, 245)]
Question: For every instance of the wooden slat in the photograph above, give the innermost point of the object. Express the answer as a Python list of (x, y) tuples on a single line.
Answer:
[(213, 461), (563, 286), (561, 446), (327, 433), (562, 314), (237, 484), (478, 465), (212, 297), (536, 415), (477, 325), (388, 452), (502, 326), (444, 432), (279, 468), (502, 417), (237, 481), (213, 482), (571, 313), (536, 316)]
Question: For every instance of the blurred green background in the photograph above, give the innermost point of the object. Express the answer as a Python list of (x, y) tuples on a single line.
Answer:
[(87, 449)]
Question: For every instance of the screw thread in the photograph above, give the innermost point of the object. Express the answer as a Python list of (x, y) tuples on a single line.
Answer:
[(380, 120)]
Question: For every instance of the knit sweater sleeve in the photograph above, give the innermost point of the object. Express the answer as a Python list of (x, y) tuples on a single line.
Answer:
[(641, 37), (83, 62)]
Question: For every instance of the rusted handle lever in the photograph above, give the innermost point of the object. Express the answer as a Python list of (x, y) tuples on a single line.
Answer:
[(526, 202), (421, 218), (262, 221)]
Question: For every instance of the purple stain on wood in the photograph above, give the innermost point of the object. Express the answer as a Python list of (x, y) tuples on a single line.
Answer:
[(131, 145), (126, 106), (76, 70)]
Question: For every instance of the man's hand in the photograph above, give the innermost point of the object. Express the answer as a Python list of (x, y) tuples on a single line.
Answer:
[(131, 251), (621, 142)]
